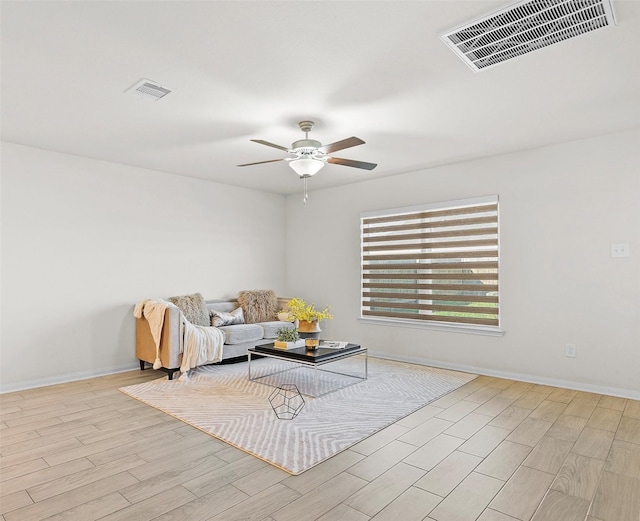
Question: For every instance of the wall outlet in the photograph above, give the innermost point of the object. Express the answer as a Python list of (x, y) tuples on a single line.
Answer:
[(620, 249), (570, 350)]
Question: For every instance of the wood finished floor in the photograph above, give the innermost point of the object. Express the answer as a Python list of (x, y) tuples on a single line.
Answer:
[(493, 450)]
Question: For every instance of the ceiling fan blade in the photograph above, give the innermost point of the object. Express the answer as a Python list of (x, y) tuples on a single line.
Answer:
[(262, 162), (341, 145), (262, 142), (351, 162)]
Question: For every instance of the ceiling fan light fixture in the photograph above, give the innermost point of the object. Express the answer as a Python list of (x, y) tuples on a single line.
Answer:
[(306, 167), (309, 155)]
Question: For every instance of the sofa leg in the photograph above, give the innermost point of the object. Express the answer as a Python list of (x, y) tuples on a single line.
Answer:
[(141, 365), (170, 374)]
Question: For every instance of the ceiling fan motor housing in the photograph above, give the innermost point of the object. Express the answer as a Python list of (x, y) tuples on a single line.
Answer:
[(301, 144), (306, 148)]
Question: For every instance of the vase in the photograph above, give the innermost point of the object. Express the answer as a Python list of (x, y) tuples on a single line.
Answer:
[(310, 331), (304, 326)]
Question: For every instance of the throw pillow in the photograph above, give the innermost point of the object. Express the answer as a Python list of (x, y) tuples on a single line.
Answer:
[(258, 305), (193, 308), (221, 318)]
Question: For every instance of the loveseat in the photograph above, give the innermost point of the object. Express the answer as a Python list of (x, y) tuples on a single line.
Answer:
[(238, 337)]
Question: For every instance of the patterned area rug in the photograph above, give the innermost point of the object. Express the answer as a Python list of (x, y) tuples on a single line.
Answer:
[(221, 401)]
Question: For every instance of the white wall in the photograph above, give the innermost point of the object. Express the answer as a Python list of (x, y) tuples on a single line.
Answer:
[(83, 240), (560, 208)]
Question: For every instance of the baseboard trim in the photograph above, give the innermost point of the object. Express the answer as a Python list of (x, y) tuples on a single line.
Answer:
[(65, 378), (541, 380), (567, 384)]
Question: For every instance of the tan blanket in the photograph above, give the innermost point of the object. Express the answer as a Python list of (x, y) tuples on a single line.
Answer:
[(153, 310), (200, 345)]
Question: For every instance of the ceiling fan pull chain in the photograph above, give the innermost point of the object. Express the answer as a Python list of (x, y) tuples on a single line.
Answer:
[(306, 195)]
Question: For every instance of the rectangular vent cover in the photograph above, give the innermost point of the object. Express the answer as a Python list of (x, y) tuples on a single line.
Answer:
[(149, 90), (524, 27)]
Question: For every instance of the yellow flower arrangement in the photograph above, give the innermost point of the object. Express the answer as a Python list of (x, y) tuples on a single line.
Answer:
[(300, 310)]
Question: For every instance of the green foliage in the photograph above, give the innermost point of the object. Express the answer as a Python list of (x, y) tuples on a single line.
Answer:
[(287, 334)]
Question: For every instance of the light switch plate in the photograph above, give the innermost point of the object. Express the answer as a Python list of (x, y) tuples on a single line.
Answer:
[(570, 350), (620, 249)]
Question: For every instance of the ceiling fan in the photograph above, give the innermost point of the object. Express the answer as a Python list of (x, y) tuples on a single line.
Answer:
[(308, 156)]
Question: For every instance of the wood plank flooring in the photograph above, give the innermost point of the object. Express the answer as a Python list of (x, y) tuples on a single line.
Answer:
[(493, 450)]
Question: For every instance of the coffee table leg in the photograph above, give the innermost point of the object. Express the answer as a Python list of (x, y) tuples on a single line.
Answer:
[(315, 380), (366, 365)]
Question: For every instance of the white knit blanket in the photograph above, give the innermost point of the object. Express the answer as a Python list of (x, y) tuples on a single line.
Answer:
[(200, 345)]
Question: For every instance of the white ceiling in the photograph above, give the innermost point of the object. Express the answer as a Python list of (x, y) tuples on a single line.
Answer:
[(251, 70)]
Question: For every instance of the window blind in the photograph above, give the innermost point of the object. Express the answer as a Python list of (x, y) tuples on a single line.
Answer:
[(432, 264)]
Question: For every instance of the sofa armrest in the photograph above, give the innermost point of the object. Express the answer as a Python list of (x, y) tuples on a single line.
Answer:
[(171, 348)]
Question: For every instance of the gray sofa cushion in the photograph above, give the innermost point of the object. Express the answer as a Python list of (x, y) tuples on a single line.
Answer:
[(221, 305), (270, 329), (239, 333)]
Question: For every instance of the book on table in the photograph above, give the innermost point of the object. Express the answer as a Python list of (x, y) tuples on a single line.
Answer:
[(333, 344)]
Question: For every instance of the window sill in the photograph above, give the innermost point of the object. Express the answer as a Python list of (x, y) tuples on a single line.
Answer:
[(435, 326)]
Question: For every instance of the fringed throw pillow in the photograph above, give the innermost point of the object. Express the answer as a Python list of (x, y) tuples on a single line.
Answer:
[(258, 305), (193, 308)]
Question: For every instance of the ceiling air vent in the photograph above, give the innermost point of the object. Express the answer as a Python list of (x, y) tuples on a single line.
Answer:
[(524, 27), (147, 89)]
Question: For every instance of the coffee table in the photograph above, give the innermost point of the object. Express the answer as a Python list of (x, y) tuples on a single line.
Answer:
[(310, 358)]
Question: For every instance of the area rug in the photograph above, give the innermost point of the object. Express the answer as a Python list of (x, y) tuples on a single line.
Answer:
[(221, 401)]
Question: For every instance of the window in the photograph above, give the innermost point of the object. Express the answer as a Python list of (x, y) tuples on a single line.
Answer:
[(434, 264)]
